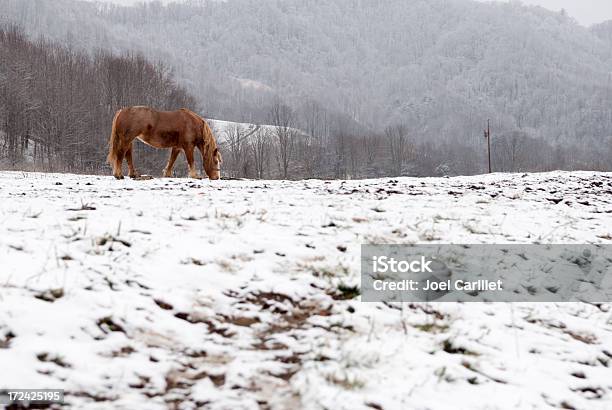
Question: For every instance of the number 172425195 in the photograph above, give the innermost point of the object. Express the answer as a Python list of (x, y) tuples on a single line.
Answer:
[(31, 396)]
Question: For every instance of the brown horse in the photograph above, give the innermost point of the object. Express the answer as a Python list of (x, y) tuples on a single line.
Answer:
[(179, 130)]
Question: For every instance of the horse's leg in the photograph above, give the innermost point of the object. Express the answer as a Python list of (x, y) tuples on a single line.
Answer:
[(130, 161), (118, 165), (173, 155), (193, 173), (201, 149)]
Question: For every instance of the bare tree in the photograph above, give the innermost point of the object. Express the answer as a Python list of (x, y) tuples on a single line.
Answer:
[(235, 149), (510, 152), (260, 150), (400, 149), (340, 156), (371, 147), (282, 117)]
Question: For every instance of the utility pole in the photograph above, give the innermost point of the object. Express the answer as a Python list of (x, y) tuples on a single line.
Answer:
[(487, 135)]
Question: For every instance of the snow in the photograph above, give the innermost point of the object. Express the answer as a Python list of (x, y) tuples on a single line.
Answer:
[(253, 84), (224, 294), (223, 129)]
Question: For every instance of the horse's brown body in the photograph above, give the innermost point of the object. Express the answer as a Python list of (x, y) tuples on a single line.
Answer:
[(179, 130)]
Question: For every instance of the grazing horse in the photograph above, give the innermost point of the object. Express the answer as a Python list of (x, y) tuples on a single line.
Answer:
[(179, 130)]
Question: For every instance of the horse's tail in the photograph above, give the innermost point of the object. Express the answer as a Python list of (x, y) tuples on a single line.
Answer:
[(114, 142)]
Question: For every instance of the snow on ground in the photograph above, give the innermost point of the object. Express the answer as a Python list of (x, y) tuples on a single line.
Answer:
[(253, 84), (223, 130), (176, 293)]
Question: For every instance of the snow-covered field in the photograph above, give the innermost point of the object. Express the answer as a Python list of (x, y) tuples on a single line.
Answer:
[(224, 129), (175, 293)]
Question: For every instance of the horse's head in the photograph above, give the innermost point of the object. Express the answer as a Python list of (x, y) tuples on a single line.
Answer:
[(212, 164)]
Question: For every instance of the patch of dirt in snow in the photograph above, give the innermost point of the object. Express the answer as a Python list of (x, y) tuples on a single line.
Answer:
[(172, 293)]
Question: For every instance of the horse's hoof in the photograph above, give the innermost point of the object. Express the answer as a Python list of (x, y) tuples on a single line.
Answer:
[(135, 176), (118, 176)]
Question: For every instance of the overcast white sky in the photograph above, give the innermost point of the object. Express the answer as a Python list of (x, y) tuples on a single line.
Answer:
[(587, 12)]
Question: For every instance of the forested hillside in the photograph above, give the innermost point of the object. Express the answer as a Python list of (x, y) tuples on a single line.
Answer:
[(604, 32), (57, 104), (424, 75)]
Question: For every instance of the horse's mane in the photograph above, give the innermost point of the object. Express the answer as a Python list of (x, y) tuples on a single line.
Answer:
[(209, 140)]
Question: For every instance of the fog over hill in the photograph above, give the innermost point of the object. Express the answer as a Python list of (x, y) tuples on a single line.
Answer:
[(440, 67)]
